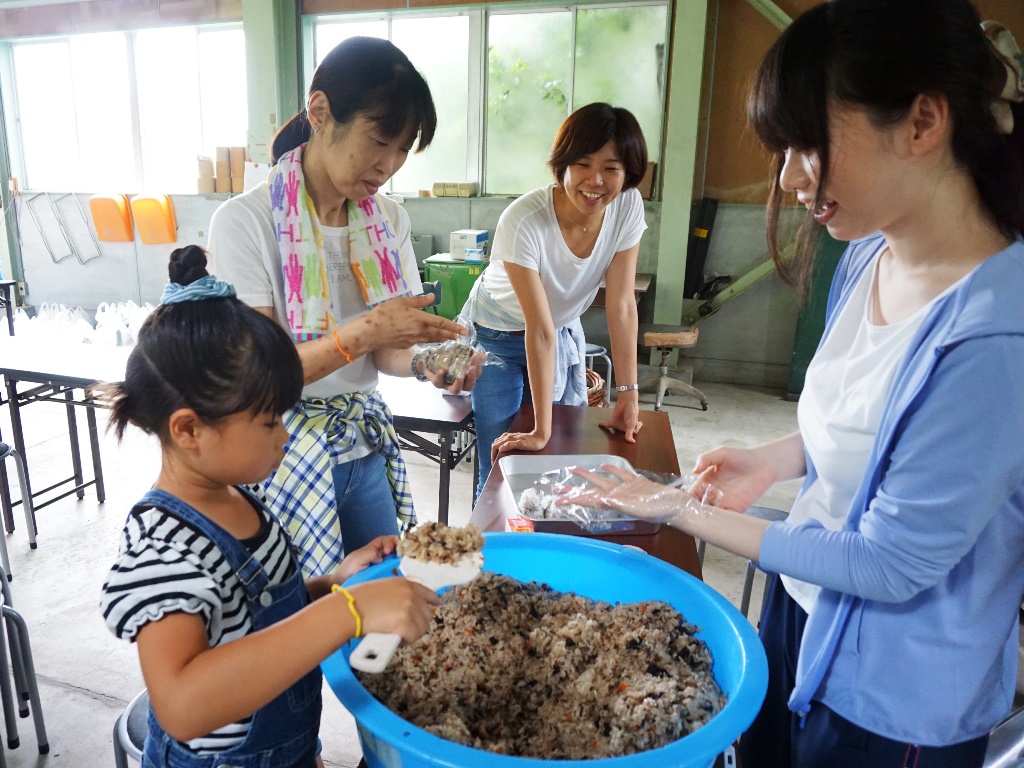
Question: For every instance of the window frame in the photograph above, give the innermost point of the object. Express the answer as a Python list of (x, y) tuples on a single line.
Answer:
[(11, 105), (479, 17)]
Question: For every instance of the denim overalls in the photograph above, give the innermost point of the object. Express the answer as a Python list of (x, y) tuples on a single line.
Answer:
[(283, 734)]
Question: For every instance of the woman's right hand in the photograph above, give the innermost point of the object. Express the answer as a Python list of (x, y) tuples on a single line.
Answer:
[(400, 323), (395, 606), (741, 474)]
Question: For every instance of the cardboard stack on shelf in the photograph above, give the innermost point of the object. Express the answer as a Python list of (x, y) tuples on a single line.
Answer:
[(205, 184), (454, 189), (230, 172)]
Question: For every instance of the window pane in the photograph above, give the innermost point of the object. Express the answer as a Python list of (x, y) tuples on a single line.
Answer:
[(607, 38), (103, 109), (329, 34), (446, 70), (169, 111), (42, 73), (528, 96), (222, 89)]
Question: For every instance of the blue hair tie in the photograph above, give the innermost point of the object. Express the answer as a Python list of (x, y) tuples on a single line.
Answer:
[(208, 287)]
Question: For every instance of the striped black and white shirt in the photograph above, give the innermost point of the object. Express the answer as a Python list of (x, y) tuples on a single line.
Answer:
[(166, 566)]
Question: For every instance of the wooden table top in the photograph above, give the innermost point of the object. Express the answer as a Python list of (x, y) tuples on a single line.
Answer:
[(575, 430)]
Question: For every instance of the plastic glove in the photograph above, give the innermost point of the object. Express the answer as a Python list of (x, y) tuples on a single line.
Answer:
[(641, 497)]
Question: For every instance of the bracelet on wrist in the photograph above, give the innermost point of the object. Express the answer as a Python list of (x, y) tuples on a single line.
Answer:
[(420, 376), (351, 607), (337, 343), (627, 388)]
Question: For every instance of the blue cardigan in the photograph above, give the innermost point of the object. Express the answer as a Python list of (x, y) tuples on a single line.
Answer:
[(914, 635)]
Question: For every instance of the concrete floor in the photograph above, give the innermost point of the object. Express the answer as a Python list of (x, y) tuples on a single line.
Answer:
[(86, 676)]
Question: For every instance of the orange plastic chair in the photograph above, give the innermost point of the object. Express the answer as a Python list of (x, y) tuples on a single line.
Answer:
[(154, 217), (112, 218)]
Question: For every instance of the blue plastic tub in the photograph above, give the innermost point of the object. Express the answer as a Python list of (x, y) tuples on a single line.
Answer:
[(601, 571)]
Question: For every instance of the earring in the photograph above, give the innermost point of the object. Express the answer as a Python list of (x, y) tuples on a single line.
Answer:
[(316, 129)]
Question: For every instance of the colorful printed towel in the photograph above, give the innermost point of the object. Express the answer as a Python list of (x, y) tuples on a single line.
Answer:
[(373, 251)]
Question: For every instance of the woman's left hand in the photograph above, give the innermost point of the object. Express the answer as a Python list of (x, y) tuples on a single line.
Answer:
[(517, 441), (442, 380), (364, 557), (626, 416)]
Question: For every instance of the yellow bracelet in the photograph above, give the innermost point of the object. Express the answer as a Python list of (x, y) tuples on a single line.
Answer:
[(351, 607), (337, 343)]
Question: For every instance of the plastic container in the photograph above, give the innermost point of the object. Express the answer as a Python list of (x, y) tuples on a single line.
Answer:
[(522, 470), (598, 570)]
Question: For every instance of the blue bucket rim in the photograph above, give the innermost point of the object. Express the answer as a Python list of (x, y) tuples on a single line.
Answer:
[(698, 748)]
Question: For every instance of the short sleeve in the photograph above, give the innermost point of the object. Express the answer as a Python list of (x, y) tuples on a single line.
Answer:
[(633, 221), (517, 237), (153, 577), (238, 247)]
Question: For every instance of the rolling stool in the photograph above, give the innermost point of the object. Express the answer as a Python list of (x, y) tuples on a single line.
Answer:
[(665, 342), (130, 731), (595, 350), (761, 513), (26, 501)]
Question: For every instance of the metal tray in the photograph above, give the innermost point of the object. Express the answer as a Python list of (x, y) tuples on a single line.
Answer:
[(522, 471)]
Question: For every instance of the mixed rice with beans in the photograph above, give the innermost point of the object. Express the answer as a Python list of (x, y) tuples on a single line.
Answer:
[(520, 669)]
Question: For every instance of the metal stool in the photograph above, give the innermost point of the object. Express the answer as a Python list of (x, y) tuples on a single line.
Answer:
[(14, 636), (596, 350), (666, 339), (130, 731), (762, 513), (1006, 743), (26, 501)]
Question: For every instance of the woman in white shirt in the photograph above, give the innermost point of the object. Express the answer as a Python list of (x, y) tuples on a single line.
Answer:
[(318, 249), (551, 251)]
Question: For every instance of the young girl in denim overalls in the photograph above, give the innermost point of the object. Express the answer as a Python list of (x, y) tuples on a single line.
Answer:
[(229, 634)]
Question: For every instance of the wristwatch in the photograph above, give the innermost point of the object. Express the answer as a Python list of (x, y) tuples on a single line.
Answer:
[(627, 388), (416, 371)]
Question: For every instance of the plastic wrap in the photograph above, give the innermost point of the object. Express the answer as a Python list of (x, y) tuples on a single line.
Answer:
[(455, 357), (594, 502)]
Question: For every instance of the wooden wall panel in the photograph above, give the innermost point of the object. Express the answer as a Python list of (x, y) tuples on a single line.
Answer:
[(41, 20), (737, 167)]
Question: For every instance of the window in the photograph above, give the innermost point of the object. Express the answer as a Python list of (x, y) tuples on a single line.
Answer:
[(113, 136), (537, 66), (444, 67)]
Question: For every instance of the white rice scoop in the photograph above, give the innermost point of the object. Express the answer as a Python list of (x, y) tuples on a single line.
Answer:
[(376, 648)]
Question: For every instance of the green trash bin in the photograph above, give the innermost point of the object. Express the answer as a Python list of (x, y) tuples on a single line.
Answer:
[(456, 278)]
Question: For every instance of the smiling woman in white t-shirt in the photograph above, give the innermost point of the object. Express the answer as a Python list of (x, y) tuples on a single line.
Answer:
[(552, 248)]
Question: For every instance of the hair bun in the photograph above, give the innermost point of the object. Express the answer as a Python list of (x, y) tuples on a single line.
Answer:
[(187, 265)]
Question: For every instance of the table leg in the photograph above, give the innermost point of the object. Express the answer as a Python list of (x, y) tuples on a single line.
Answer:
[(97, 465), (76, 454), (445, 455), (19, 442), (5, 498)]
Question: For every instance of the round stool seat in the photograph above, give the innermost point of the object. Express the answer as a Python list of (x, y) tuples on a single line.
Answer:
[(593, 350), (5, 450)]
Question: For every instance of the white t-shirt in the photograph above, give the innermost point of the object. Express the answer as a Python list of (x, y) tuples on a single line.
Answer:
[(840, 408), (528, 235), (243, 251)]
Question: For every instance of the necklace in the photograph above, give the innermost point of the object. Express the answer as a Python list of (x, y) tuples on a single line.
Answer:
[(567, 216)]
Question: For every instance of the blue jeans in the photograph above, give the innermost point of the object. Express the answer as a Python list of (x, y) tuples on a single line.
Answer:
[(366, 508), (498, 393)]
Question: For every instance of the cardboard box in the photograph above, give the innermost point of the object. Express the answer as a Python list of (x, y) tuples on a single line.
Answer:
[(646, 185), (438, 189), (223, 154), (222, 185), (461, 239), (205, 185), (451, 189), (237, 184), (237, 155), (466, 189), (205, 166), (223, 169)]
